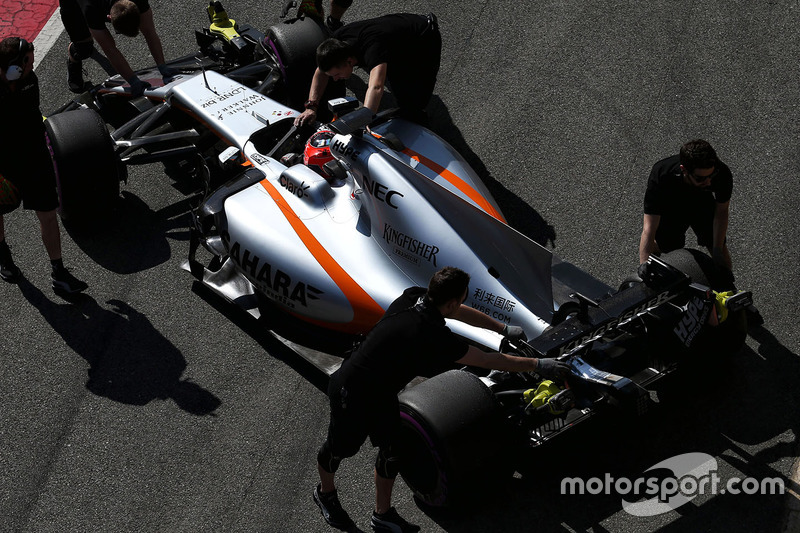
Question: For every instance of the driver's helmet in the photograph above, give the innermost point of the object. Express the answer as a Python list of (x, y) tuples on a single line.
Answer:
[(318, 152)]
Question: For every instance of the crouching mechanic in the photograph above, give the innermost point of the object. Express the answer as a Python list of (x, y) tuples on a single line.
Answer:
[(85, 21), (410, 340), (402, 48), (25, 163)]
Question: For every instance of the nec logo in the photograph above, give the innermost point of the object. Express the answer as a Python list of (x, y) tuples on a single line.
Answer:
[(381, 192)]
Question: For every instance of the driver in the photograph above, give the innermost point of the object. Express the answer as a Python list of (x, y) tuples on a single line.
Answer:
[(410, 340), (402, 49), (25, 162), (85, 20)]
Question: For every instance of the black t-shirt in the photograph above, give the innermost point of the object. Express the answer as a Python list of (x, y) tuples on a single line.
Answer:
[(387, 39), (410, 340), (668, 194), (96, 11), (22, 118)]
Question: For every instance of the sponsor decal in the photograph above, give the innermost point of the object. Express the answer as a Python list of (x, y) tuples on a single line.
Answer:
[(259, 159), (409, 248), (232, 106), (381, 192), (274, 282), (294, 188), (346, 150), (667, 485), (624, 317), (498, 307), (695, 315)]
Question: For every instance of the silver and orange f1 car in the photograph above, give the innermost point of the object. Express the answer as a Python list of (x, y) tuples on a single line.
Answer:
[(329, 225)]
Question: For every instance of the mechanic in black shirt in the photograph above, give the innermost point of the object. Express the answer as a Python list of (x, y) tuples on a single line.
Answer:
[(691, 189), (402, 48), (25, 160), (85, 20), (410, 340)]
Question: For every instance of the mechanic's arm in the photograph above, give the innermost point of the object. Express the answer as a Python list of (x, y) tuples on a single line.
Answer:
[(318, 85), (377, 79), (498, 361), (106, 41), (473, 317), (719, 251), (647, 243), (148, 28)]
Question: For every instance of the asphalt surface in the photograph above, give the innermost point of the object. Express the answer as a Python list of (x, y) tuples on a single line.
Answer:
[(147, 405)]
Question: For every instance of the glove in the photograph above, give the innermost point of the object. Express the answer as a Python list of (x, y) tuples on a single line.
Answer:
[(167, 73), (137, 86), (552, 369), (514, 332)]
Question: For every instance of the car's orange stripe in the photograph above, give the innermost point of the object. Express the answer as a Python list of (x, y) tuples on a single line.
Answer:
[(456, 182), (366, 311)]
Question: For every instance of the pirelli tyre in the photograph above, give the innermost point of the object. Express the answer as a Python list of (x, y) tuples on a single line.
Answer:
[(294, 43), (728, 337), (451, 438), (87, 169)]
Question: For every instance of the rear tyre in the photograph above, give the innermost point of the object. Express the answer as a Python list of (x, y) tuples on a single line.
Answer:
[(295, 45), (452, 430), (87, 169)]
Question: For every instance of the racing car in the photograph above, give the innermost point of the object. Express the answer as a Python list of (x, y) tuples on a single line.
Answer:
[(329, 225)]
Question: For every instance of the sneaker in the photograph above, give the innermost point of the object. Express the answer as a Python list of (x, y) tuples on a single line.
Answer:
[(10, 273), (391, 521), (333, 24), (75, 76), (66, 282), (332, 510)]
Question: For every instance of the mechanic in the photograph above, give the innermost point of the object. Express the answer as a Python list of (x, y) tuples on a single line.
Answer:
[(402, 48), (690, 189), (314, 9), (85, 21), (410, 340), (25, 162)]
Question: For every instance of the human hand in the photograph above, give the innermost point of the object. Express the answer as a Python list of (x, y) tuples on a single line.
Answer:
[(552, 368), (137, 86), (514, 333), (306, 117)]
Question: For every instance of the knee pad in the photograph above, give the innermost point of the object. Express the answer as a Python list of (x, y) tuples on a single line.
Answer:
[(343, 3), (326, 459), (387, 463), (81, 51)]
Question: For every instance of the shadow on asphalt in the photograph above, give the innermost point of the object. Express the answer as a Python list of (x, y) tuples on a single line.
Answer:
[(722, 409), (134, 238), (130, 361)]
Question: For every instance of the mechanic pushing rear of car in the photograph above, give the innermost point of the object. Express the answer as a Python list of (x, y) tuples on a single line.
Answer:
[(690, 189), (402, 48), (25, 164), (85, 20), (410, 340)]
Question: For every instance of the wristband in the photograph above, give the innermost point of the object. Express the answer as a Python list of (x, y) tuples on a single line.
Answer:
[(311, 104)]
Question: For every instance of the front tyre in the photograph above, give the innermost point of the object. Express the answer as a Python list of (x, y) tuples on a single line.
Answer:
[(87, 168)]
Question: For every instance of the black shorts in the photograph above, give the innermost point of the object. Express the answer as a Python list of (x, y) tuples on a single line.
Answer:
[(356, 415), (412, 82), (74, 21), (31, 171), (671, 232)]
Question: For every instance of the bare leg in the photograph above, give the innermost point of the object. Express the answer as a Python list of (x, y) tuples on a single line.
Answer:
[(51, 234), (383, 493)]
